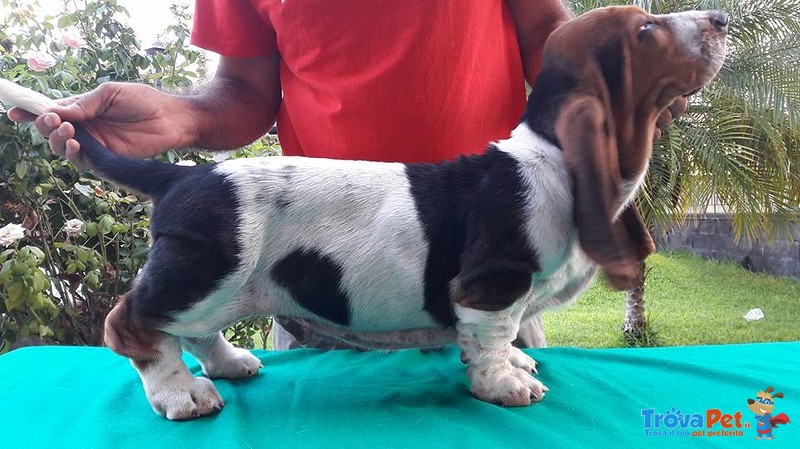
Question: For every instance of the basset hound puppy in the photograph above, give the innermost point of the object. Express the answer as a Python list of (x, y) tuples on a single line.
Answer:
[(390, 254)]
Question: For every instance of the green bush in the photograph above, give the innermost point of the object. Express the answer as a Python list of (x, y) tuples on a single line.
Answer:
[(83, 240)]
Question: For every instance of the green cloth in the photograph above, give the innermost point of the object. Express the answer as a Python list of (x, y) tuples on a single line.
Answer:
[(54, 397)]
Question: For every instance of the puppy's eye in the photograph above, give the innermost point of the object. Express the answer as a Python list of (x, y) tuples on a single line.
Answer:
[(645, 29)]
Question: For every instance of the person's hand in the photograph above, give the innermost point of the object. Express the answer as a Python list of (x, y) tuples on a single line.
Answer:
[(130, 119), (673, 111)]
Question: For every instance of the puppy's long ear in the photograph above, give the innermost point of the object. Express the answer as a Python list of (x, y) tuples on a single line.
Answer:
[(590, 150)]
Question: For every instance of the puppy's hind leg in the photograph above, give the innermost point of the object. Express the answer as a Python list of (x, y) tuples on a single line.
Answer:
[(220, 359), (170, 388), (489, 312)]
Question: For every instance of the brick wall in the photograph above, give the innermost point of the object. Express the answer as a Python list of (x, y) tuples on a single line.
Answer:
[(712, 237)]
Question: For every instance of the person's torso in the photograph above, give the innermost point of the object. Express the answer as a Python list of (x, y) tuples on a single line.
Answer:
[(397, 81)]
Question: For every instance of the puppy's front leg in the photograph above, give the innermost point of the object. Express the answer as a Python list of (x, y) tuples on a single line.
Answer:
[(486, 327)]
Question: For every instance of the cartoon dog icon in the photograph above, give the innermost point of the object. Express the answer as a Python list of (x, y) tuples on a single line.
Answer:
[(763, 407)]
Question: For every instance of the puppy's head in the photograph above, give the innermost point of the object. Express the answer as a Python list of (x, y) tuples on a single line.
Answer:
[(622, 68)]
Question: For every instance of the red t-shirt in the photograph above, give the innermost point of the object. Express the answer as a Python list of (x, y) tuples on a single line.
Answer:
[(392, 80)]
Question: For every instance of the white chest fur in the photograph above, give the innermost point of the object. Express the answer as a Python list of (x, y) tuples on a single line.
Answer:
[(566, 270)]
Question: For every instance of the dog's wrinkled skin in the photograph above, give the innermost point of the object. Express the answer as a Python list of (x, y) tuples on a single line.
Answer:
[(387, 254)]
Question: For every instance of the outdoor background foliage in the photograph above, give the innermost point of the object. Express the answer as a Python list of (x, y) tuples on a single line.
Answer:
[(83, 240)]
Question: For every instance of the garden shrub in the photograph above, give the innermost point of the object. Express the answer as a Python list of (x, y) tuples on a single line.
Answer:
[(70, 243)]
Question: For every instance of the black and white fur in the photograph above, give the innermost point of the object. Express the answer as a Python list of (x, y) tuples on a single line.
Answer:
[(378, 254), (361, 249)]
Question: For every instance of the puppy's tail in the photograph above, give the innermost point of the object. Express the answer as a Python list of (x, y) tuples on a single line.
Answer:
[(146, 176)]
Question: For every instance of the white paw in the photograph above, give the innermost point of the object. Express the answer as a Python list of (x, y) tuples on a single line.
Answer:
[(236, 363), (185, 398), (521, 360), (506, 385)]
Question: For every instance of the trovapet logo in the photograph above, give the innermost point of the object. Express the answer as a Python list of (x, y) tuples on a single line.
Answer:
[(714, 422), (711, 423)]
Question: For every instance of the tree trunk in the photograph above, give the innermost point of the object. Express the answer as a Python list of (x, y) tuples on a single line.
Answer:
[(634, 324)]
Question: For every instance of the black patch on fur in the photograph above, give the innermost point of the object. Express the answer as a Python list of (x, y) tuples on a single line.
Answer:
[(193, 228), (496, 292), (550, 90), (611, 58), (471, 211), (283, 198), (431, 187), (194, 232), (314, 281), (288, 172), (282, 202)]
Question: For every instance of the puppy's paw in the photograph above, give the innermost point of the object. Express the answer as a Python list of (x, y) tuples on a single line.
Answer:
[(523, 361), (235, 363), (186, 399), (507, 385)]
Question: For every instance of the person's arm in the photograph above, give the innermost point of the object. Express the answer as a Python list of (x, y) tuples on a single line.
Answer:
[(240, 104), (535, 20), (233, 109)]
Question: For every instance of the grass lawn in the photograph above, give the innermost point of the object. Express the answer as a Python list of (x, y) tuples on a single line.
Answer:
[(688, 301)]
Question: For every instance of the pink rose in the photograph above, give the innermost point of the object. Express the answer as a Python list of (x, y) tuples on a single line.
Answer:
[(40, 61), (73, 39)]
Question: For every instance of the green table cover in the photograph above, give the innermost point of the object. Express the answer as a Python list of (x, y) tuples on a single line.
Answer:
[(67, 397)]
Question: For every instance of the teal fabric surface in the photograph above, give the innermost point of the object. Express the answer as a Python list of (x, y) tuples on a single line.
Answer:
[(65, 397)]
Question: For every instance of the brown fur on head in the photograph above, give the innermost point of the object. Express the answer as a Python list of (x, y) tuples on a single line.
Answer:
[(624, 78)]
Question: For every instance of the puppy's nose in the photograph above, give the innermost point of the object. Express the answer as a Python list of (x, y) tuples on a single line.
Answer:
[(719, 19)]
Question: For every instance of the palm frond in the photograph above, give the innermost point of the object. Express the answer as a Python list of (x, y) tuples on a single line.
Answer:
[(767, 77), (719, 150), (752, 20)]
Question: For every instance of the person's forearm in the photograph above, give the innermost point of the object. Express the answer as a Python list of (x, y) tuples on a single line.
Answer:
[(226, 116), (235, 108), (535, 20)]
